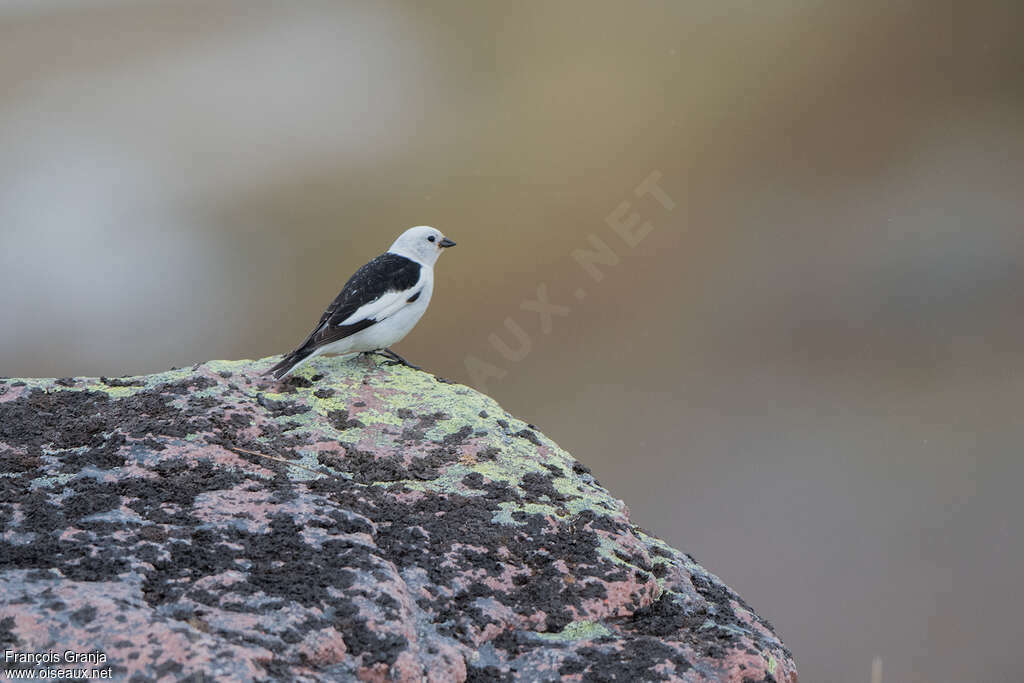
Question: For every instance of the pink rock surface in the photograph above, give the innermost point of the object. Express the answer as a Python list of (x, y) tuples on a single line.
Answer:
[(352, 523)]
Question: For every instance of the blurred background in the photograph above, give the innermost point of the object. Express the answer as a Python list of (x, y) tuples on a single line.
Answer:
[(807, 372)]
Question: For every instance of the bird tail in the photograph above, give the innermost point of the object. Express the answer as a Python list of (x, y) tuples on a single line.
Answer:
[(289, 362)]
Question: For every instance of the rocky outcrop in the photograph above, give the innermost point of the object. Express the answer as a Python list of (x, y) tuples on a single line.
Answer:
[(354, 522)]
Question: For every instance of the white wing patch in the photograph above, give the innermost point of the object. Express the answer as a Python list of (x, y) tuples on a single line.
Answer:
[(381, 308)]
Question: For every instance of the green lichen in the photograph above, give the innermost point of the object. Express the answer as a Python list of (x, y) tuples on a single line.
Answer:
[(55, 480), (113, 392), (505, 510), (576, 631), (232, 366)]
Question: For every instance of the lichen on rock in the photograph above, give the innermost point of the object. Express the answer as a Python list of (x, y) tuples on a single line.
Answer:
[(353, 522)]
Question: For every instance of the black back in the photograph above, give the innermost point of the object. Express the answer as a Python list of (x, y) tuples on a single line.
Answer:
[(386, 273)]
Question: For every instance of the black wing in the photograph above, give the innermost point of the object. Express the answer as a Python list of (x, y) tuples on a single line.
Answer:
[(386, 273)]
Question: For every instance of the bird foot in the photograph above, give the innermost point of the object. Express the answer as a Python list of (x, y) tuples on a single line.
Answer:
[(394, 359), (402, 362)]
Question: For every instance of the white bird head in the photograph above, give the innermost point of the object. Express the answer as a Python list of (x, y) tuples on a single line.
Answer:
[(422, 244)]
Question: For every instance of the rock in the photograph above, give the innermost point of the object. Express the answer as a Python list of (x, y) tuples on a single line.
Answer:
[(354, 522)]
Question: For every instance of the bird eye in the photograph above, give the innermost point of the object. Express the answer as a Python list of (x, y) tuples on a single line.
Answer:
[(431, 239)]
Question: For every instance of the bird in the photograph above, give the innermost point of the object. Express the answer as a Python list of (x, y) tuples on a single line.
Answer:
[(379, 304)]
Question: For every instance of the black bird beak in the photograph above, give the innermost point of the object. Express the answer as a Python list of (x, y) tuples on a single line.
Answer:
[(445, 243)]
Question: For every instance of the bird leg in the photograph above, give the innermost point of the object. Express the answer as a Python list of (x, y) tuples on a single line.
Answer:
[(395, 359)]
